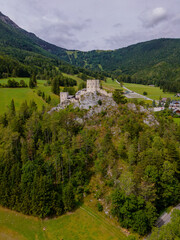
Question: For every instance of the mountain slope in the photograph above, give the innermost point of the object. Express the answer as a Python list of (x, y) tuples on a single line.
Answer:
[(13, 36), (130, 60)]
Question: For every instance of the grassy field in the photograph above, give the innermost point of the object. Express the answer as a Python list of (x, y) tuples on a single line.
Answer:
[(110, 84), (177, 120), (153, 92), (84, 223), (21, 94)]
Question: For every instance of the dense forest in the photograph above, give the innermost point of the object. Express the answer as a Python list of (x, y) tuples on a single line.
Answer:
[(48, 163)]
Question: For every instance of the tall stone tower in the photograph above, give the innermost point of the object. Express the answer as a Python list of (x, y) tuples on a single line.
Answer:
[(93, 85), (63, 96)]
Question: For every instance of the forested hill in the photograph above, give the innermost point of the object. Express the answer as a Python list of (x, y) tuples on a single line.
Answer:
[(23, 53), (133, 58), (129, 60), (14, 37), (153, 62)]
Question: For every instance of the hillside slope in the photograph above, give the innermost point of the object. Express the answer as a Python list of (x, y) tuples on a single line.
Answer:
[(153, 62), (13, 37), (133, 58)]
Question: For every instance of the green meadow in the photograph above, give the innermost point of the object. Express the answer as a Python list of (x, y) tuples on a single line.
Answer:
[(21, 94), (110, 84), (25, 94), (84, 223), (177, 120), (152, 92)]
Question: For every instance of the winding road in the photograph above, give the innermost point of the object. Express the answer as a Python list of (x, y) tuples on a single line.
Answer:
[(166, 217)]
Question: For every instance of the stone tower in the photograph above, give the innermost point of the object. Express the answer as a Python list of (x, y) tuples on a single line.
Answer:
[(63, 96), (93, 85)]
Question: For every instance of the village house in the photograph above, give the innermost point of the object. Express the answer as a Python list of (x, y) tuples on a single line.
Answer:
[(174, 104)]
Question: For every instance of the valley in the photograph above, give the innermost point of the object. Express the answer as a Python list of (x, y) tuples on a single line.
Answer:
[(99, 166)]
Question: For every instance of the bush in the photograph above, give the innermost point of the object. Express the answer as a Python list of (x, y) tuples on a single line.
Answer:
[(100, 102), (99, 207)]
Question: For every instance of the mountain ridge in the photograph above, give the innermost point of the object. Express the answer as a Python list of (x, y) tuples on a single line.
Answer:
[(152, 62)]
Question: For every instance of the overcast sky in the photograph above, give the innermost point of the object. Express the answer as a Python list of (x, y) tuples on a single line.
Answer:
[(96, 24)]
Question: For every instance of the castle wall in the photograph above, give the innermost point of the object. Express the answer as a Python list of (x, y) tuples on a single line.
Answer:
[(63, 96), (105, 93), (93, 85)]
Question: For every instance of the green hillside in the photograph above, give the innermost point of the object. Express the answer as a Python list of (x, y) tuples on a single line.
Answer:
[(84, 223), (133, 58), (153, 62)]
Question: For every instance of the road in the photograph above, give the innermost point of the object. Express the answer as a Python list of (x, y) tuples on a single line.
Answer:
[(163, 219), (166, 217), (132, 94)]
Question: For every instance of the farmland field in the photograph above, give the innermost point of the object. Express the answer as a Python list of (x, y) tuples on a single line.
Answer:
[(152, 92), (84, 223), (110, 84), (19, 95)]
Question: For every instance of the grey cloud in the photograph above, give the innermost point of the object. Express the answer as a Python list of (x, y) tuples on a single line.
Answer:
[(118, 41), (63, 33), (176, 20), (80, 25), (152, 18), (117, 25)]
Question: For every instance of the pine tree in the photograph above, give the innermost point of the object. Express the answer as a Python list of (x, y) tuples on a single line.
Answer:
[(12, 108), (55, 86), (31, 84)]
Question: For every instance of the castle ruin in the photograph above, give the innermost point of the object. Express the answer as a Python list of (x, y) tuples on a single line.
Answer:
[(91, 86)]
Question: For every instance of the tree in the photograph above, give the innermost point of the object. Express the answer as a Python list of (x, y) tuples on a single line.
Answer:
[(31, 84), (12, 108), (118, 96), (68, 197), (55, 86), (153, 103)]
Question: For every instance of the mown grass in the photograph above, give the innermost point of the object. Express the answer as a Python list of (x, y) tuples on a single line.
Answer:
[(19, 95), (16, 226), (84, 223), (26, 94), (110, 84), (177, 120), (152, 92)]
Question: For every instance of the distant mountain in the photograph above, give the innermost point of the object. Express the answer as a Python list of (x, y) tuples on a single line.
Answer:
[(130, 59), (12, 36), (147, 58)]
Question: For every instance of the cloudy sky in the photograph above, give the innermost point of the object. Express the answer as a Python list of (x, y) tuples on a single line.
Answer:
[(96, 24)]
